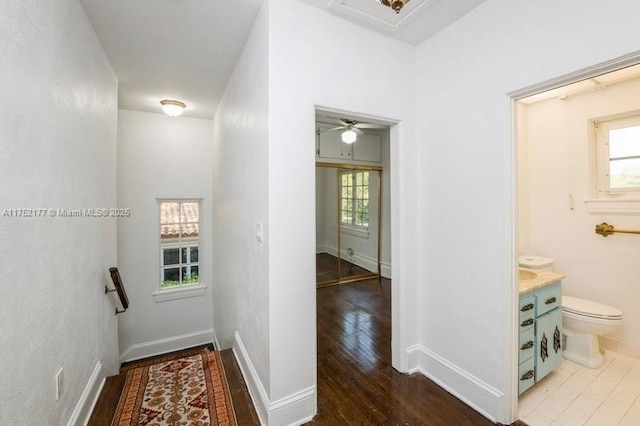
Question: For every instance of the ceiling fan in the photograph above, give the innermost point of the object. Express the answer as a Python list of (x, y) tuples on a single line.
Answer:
[(351, 128)]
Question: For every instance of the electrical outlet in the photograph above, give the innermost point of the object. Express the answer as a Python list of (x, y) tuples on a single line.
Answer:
[(58, 380)]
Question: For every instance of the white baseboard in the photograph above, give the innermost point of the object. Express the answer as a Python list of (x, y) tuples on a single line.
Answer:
[(82, 412), (294, 409), (632, 351), (254, 384), (366, 262), (170, 344), (216, 343), (480, 396), (385, 270)]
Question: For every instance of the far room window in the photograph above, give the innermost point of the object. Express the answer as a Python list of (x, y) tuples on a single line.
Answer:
[(354, 198), (179, 243), (617, 155)]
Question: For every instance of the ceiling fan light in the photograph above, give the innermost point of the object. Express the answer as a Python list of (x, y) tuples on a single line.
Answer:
[(173, 108), (349, 136)]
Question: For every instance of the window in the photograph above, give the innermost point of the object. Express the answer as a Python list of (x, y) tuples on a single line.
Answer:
[(179, 243), (617, 155), (354, 199)]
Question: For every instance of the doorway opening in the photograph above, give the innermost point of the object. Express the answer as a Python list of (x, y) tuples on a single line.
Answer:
[(566, 180), (353, 202)]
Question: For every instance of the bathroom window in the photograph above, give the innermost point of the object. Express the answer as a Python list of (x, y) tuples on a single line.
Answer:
[(617, 155), (354, 199), (179, 243)]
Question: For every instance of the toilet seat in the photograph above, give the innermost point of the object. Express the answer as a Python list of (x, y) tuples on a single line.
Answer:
[(590, 309)]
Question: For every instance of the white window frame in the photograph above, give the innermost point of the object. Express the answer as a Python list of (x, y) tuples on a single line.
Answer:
[(606, 200), (184, 290), (353, 224)]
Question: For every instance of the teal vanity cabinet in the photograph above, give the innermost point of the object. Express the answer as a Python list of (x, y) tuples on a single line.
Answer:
[(540, 324)]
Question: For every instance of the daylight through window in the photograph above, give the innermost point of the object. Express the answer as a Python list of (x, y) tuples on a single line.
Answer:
[(354, 198), (618, 154), (179, 243)]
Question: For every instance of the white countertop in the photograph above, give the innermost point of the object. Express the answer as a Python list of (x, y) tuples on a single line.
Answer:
[(541, 279)]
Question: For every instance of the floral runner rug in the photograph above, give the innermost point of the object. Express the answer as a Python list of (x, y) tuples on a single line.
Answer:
[(190, 390)]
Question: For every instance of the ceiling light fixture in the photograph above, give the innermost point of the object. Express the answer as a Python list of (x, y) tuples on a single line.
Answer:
[(173, 108), (394, 4), (349, 136)]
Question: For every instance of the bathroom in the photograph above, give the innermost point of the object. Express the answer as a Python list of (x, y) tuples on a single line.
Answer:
[(560, 202)]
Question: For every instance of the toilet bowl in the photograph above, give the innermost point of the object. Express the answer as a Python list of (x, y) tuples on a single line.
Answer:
[(583, 320)]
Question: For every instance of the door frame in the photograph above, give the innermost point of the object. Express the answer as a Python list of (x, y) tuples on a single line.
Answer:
[(398, 302)]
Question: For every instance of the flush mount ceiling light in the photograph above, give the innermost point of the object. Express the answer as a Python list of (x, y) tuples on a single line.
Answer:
[(173, 108), (394, 4), (349, 136)]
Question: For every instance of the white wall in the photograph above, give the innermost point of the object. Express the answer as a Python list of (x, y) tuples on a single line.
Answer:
[(161, 157), (57, 150), (305, 71), (464, 74), (556, 139), (240, 190)]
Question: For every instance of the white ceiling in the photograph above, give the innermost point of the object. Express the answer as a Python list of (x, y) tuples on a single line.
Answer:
[(417, 21), (172, 49), (186, 49)]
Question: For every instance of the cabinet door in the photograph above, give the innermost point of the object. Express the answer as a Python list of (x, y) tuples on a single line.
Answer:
[(548, 348), (330, 145), (367, 148)]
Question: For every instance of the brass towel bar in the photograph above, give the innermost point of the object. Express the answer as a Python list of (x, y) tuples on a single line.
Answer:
[(605, 230)]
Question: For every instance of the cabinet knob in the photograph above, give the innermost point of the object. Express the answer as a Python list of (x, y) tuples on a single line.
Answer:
[(550, 300), (526, 376), (527, 345), (526, 323), (527, 307)]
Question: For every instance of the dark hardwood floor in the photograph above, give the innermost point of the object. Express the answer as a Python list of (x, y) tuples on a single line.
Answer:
[(356, 382), (327, 268)]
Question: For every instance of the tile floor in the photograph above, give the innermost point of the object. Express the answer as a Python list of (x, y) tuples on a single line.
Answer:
[(577, 395)]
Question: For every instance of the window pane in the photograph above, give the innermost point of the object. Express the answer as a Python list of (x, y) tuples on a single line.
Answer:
[(194, 272), (172, 274), (624, 142), (170, 256), (169, 220), (184, 255), (194, 254), (190, 212), (624, 173)]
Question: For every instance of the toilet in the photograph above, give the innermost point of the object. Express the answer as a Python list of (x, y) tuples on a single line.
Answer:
[(582, 320)]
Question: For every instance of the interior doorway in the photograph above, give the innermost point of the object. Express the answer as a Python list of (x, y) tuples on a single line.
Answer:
[(353, 209), (571, 177)]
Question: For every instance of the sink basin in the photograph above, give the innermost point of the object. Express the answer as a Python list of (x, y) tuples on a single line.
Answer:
[(526, 275)]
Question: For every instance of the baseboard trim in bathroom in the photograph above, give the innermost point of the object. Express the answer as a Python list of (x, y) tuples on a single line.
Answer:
[(622, 348)]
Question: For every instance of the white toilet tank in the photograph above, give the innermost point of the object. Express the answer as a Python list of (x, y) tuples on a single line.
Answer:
[(536, 262)]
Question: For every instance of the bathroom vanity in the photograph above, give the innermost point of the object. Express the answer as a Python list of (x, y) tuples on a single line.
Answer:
[(540, 325)]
